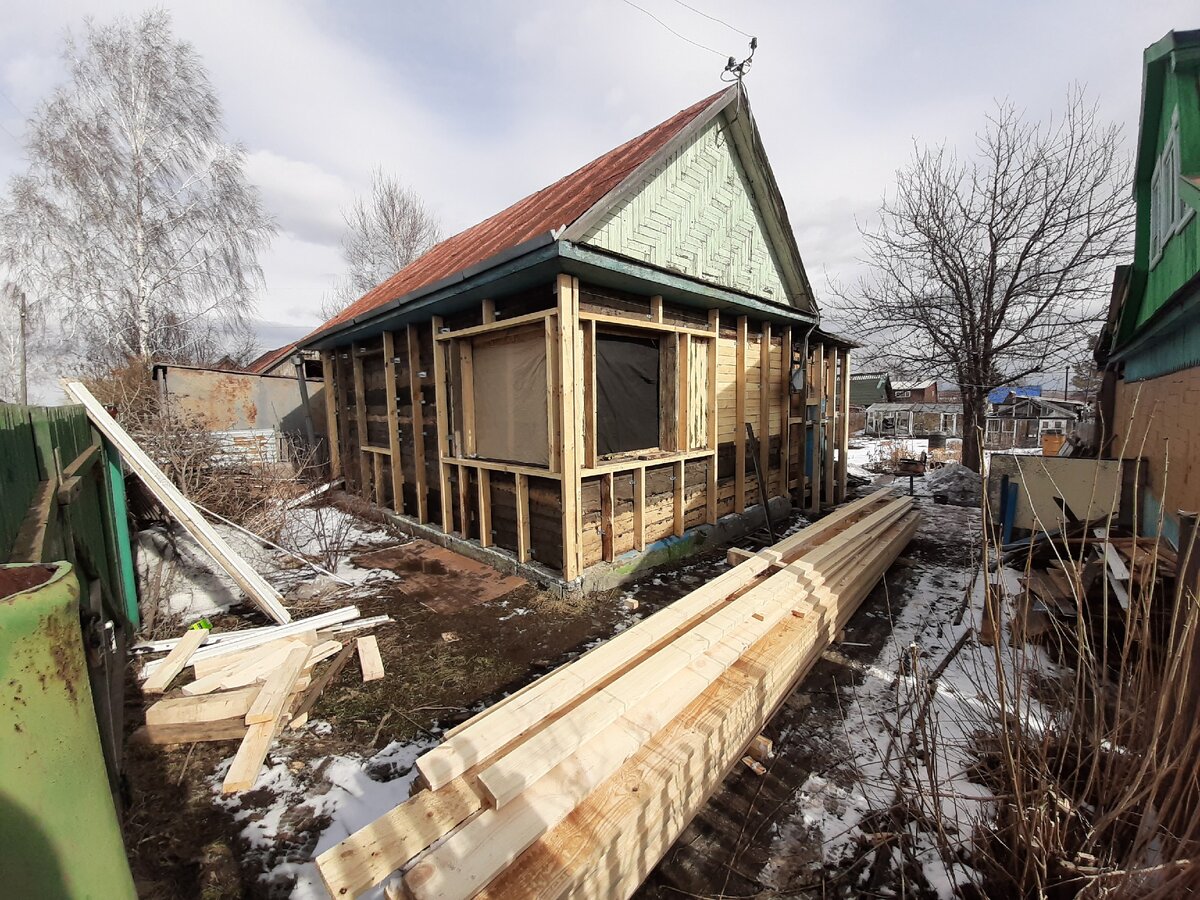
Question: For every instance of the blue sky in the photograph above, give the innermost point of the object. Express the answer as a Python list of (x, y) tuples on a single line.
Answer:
[(477, 104)]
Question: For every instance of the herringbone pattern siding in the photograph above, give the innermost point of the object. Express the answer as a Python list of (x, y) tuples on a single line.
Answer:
[(696, 216)]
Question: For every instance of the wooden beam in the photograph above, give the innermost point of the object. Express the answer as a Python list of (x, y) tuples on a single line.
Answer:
[(785, 404), (418, 423), (377, 475), (489, 327), (198, 710), (683, 346), (656, 308), (83, 461), (175, 662), (655, 325), (268, 705), (639, 508), (256, 588), (393, 415), (606, 517), (484, 479), (441, 399), (818, 429), (843, 427), (739, 431), (764, 409), (369, 659), (30, 542), (554, 389), (328, 373), (464, 501), (679, 498), (314, 690), (466, 387), (489, 311), (714, 325), (802, 449), (511, 468), (360, 422), (570, 364), (589, 393), (830, 421), (522, 501)]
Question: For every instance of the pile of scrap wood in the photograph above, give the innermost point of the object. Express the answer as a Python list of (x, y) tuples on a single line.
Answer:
[(580, 782), (1088, 569), (249, 685)]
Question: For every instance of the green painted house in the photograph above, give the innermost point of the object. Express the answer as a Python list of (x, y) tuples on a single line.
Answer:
[(1150, 348)]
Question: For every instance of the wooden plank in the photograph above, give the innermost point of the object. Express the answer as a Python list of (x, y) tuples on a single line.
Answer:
[(554, 388), (228, 662), (491, 327), (656, 308), (331, 427), (229, 729), (511, 468), (714, 325), (175, 662), (802, 436), (639, 508), (256, 588), (248, 760), (268, 706), (256, 667), (377, 477), (522, 504), (655, 325), (569, 351), (83, 461), (764, 409), (360, 421), (309, 700), (489, 311), (466, 367), (683, 344), (818, 429), (785, 394), (464, 501), (418, 422), (393, 416), (678, 498), (198, 710), (739, 431), (30, 543), (589, 393), (483, 478), (369, 658), (606, 517), (441, 395), (843, 430), (830, 419)]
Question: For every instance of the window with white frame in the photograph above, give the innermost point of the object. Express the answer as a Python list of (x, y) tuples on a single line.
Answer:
[(1168, 210)]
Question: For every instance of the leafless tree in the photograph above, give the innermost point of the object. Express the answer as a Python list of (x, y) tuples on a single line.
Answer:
[(135, 218), (384, 233), (987, 270)]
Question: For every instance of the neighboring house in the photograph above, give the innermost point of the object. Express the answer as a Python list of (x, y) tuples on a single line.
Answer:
[(867, 388), (282, 361), (1019, 422), (1150, 347), (922, 391), (914, 419), (569, 382), (999, 395)]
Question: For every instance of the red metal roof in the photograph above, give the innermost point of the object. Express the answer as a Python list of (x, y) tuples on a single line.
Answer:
[(553, 207), (270, 358)]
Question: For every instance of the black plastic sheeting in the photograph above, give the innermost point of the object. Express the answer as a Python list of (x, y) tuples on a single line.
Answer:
[(626, 394)]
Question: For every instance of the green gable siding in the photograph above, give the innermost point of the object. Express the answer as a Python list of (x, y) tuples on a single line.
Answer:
[(696, 215), (1181, 257)]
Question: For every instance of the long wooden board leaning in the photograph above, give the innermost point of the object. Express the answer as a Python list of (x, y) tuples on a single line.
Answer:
[(580, 782), (255, 586)]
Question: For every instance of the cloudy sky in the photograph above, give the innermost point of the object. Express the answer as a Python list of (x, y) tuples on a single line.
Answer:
[(477, 104)]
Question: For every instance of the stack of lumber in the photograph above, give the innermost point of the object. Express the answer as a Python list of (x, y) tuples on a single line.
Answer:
[(580, 782), (249, 685)]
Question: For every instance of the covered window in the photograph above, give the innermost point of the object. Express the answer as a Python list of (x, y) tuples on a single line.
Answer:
[(1169, 212), (509, 385), (627, 394)]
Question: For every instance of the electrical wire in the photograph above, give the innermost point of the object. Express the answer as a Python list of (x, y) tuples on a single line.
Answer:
[(701, 12), (673, 31)]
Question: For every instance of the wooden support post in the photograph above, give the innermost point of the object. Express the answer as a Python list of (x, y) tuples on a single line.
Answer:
[(393, 416), (656, 314), (569, 351), (739, 431), (606, 517), (714, 325), (683, 346), (639, 508), (680, 497), (843, 427), (377, 476), (489, 311), (589, 392), (418, 423), (818, 377), (331, 427), (522, 499), (764, 409), (802, 449), (554, 393), (360, 422), (441, 394), (464, 500), (830, 435), (466, 367), (785, 403), (485, 507)]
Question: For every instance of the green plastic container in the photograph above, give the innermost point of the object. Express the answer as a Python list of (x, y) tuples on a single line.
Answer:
[(59, 834)]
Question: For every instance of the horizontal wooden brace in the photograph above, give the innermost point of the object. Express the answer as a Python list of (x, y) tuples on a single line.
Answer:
[(511, 468), (649, 325), (630, 465), (498, 325)]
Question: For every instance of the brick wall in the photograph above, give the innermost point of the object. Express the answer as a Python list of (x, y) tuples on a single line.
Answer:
[(1165, 412)]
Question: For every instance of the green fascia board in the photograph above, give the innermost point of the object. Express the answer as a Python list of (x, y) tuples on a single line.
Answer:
[(1171, 330), (539, 265)]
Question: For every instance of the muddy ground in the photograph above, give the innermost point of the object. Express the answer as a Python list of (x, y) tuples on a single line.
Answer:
[(183, 845)]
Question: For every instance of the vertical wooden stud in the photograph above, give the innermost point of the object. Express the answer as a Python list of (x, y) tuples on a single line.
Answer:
[(570, 350), (764, 408), (554, 392), (639, 508), (843, 426), (360, 421), (589, 392), (739, 431), (785, 402), (607, 526), (418, 423), (393, 417), (466, 368), (522, 491), (802, 449), (440, 395), (680, 497), (331, 420), (464, 500), (830, 433), (818, 428), (683, 380), (714, 325), (380, 489), (489, 311), (656, 314), (485, 507)]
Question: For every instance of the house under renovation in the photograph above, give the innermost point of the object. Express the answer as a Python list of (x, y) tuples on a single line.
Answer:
[(571, 380)]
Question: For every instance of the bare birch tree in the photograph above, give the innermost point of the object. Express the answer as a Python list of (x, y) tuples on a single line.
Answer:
[(384, 233), (135, 219), (988, 270)]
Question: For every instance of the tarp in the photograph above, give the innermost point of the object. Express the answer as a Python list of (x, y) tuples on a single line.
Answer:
[(510, 399), (626, 394)]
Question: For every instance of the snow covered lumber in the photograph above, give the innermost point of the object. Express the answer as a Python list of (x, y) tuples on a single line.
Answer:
[(579, 782), (265, 597)]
